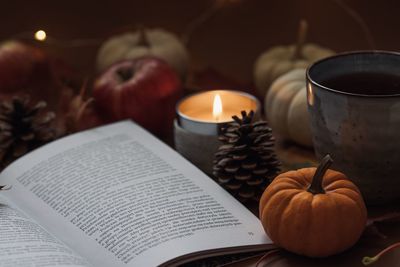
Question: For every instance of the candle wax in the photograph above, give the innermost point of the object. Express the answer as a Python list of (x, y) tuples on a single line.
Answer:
[(225, 116), (199, 107)]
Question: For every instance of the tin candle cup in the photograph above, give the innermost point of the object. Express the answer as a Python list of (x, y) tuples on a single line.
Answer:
[(197, 127)]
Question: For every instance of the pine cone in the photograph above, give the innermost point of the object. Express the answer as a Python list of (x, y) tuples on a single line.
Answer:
[(24, 126), (246, 162)]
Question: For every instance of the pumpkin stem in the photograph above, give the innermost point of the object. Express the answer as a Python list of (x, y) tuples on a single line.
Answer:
[(370, 260), (301, 38), (143, 40), (316, 183)]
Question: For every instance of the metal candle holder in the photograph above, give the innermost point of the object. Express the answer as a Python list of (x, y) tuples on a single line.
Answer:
[(196, 131)]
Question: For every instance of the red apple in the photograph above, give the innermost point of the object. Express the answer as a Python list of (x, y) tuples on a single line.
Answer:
[(26, 69), (22, 67), (144, 90)]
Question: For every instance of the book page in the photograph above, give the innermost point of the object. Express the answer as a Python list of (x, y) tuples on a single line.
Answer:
[(24, 243), (120, 197)]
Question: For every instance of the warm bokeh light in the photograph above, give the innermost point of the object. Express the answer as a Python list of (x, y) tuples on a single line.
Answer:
[(310, 95), (217, 106), (40, 35)]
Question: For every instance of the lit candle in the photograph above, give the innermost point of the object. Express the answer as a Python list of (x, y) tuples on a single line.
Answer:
[(205, 112), (200, 118)]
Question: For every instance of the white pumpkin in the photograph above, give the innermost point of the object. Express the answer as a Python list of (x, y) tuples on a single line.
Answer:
[(286, 107), (280, 59), (155, 42)]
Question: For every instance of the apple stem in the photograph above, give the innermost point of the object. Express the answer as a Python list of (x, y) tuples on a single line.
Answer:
[(301, 39), (125, 74), (143, 40), (316, 183)]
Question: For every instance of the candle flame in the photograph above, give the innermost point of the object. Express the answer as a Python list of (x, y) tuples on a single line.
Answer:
[(217, 107), (40, 35)]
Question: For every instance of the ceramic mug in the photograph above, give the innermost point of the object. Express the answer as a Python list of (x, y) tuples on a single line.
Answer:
[(359, 127)]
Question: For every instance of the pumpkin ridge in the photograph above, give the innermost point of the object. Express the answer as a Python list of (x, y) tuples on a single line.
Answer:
[(332, 185), (283, 82), (360, 219), (296, 88), (111, 49), (279, 120), (306, 176), (336, 195), (297, 201), (307, 230), (361, 215), (333, 176), (286, 174), (278, 52), (277, 194), (337, 211), (320, 219), (285, 205), (130, 39), (360, 204), (281, 202), (279, 69), (292, 182), (344, 191), (276, 187), (293, 175), (340, 184), (307, 173)]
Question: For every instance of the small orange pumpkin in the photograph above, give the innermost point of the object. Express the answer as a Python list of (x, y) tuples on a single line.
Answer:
[(313, 212)]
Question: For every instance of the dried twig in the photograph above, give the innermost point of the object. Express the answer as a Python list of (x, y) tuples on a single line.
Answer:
[(206, 15), (359, 20)]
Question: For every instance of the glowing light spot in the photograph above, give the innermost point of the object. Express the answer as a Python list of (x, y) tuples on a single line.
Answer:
[(310, 95), (40, 35)]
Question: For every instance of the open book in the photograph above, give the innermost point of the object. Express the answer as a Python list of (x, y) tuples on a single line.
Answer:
[(117, 196)]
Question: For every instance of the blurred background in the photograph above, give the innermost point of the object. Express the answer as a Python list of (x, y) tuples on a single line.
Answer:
[(229, 40)]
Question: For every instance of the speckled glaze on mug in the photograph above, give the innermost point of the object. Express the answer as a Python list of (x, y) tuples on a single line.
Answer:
[(360, 131)]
